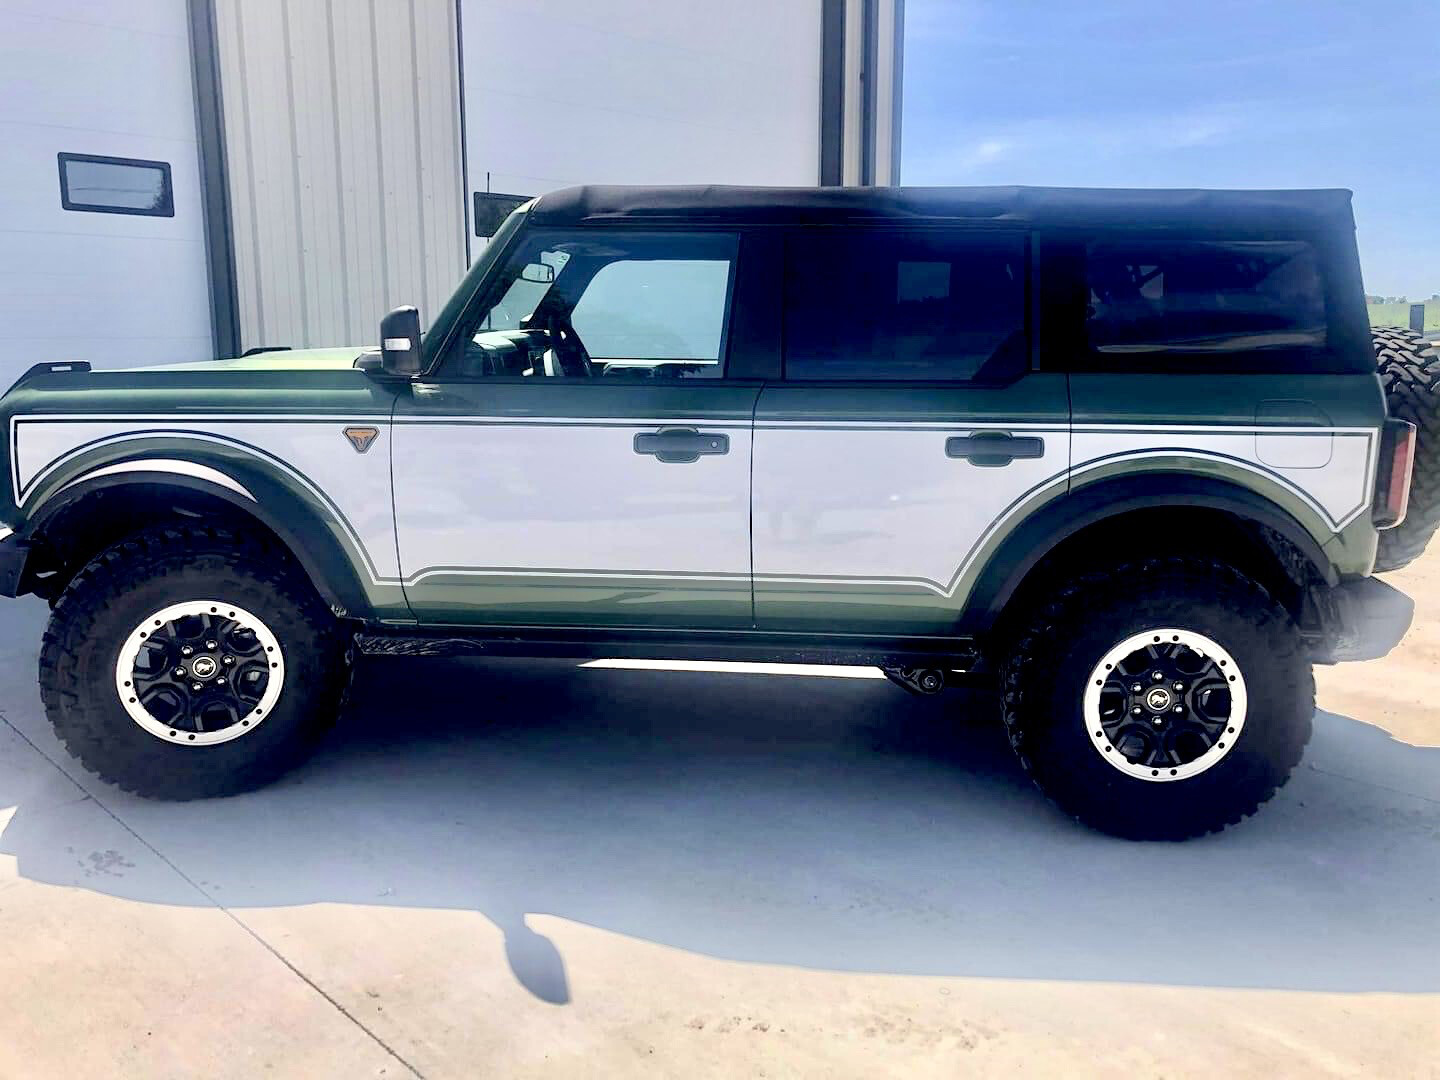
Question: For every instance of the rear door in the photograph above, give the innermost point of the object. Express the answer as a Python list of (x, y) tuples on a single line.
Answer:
[(909, 431), (584, 457)]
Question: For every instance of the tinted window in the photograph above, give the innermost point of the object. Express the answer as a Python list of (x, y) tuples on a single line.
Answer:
[(1203, 298), (898, 307), (593, 303), (109, 185)]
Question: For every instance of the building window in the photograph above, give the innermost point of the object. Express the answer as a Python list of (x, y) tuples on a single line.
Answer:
[(905, 307), (111, 185)]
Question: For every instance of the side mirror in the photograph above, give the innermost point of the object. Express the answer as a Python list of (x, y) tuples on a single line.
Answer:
[(400, 342)]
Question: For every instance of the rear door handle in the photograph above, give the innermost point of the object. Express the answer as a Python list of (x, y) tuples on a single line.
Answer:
[(992, 448), (681, 445)]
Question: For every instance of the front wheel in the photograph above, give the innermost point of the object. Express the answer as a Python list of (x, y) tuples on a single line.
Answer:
[(1160, 701), (190, 662)]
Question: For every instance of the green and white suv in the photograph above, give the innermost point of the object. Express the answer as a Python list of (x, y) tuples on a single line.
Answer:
[(1124, 455)]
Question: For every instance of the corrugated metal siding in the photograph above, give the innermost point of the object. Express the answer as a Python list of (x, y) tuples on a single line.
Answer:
[(342, 129)]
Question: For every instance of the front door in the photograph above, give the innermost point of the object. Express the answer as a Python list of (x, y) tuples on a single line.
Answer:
[(584, 458), (908, 430)]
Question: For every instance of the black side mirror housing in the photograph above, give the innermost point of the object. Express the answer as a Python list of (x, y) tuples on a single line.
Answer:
[(400, 342)]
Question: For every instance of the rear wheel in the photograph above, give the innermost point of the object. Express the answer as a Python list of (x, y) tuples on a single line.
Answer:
[(1160, 701), (1410, 370), (189, 662)]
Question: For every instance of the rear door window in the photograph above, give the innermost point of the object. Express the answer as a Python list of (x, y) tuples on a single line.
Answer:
[(945, 306)]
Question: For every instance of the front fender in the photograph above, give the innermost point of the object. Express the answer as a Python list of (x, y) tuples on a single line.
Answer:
[(339, 553)]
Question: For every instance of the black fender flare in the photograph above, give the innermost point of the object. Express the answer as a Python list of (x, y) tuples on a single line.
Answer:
[(299, 528), (1063, 517)]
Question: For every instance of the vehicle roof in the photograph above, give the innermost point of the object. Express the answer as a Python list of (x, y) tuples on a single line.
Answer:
[(1059, 207)]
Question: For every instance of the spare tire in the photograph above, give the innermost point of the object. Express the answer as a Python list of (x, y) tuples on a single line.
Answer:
[(1410, 372)]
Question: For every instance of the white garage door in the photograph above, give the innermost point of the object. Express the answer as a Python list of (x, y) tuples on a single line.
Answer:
[(122, 277), (561, 92)]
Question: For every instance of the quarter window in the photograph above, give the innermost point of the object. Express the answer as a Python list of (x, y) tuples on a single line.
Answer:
[(1202, 299), (896, 307)]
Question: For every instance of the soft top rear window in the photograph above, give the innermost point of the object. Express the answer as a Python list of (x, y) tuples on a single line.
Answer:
[(1203, 302)]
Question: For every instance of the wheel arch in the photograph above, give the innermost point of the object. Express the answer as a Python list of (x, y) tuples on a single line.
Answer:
[(103, 508), (1192, 512)]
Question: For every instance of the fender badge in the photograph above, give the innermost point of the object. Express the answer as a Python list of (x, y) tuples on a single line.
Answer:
[(361, 437)]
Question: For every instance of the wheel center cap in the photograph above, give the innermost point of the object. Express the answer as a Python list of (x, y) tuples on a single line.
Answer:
[(1158, 699), (203, 667)]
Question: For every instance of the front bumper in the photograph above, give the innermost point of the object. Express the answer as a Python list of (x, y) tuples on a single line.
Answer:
[(1368, 618), (14, 553)]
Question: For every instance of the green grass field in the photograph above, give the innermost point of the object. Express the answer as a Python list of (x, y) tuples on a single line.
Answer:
[(1399, 315)]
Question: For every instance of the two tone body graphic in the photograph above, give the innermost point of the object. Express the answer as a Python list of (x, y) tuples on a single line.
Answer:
[(914, 429)]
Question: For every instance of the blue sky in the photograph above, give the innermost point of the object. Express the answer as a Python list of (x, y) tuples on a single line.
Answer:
[(1180, 93)]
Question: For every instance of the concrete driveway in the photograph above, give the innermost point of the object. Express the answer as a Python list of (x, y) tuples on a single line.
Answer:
[(540, 868)]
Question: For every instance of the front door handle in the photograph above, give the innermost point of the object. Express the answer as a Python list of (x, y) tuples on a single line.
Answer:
[(681, 445), (991, 448)]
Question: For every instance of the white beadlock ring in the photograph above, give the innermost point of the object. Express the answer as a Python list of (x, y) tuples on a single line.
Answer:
[(1199, 643), (125, 673)]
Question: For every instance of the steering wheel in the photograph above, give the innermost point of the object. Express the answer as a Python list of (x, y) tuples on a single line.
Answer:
[(567, 356)]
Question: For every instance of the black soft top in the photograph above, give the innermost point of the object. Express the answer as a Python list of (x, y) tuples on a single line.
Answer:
[(1187, 208)]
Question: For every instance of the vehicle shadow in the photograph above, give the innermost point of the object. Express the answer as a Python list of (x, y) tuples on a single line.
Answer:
[(828, 823)]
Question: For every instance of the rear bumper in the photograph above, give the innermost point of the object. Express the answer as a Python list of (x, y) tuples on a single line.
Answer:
[(14, 554), (1368, 618)]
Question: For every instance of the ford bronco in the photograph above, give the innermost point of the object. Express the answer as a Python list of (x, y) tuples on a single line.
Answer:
[(1122, 455)]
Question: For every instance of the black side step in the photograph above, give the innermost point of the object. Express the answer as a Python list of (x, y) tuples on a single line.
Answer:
[(751, 646)]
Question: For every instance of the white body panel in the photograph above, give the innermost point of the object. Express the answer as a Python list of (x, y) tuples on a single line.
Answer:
[(567, 498), (881, 504), (76, 285), (313, 452)]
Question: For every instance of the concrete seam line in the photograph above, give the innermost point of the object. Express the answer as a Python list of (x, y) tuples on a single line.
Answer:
[(212, 901), (1372, 783)]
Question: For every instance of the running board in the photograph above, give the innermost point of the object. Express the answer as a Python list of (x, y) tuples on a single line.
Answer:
[(957, 654)]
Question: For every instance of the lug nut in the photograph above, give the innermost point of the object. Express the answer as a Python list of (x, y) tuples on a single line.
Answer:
[(1157, 675), (210, 644), (1159, 720), (186, 650), (1179, 686), (179, 672), (1137, 710), (1136, 688), (221, 680), (1178, 708), (227, 660), (196, 686)]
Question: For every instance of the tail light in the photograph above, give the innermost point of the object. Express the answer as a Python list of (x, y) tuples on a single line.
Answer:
[(1392, 486)]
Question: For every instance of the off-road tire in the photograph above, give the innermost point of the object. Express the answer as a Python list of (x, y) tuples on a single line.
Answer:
[(117, 590), (1410, 371), (1045, 676)]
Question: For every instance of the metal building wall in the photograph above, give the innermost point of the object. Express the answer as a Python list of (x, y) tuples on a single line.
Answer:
[(342, 135)]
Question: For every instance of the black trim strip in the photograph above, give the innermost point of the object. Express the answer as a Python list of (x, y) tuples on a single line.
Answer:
[(869, 95), (832, 92), (214, 192), (897, 85)]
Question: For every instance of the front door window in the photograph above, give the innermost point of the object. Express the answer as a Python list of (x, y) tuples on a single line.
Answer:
[(600, 304)]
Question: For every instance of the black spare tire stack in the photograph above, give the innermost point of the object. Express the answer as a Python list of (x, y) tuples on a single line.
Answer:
[(1410, 371)]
